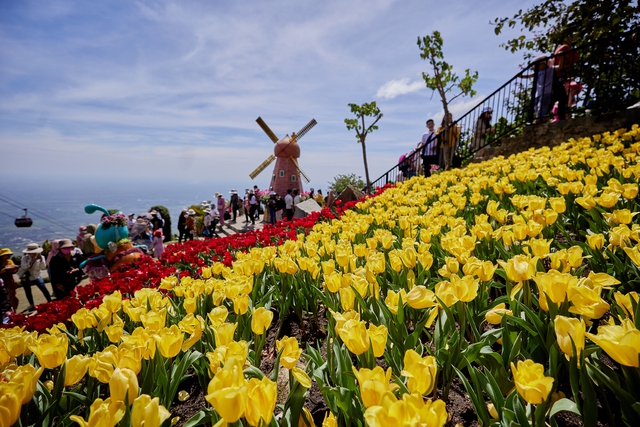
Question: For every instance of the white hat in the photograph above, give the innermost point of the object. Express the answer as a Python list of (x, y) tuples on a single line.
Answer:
[(33, 248), (233, 191), (191, 212)]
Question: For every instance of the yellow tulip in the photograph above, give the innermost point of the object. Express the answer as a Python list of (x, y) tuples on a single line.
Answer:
[(494, 316), (569, 329), (620, 342), (103, 413), (557, 204), (625, 302), (224, 333), (420, 297), (112, 302), (520, 267), (28, 376), (261, 320), (16, 344), (531, 382), (76, 369), (51, 350), (393, 299), (373, 384), (169, 341), (378, 336), (148, 412), (227, 391), (154, 320), (290, 351), (587, 302), (420, 372), (540, 247), (10, 403), (347, 298), (595, 241), (217, 316), (261, 401), (306, 419), (553, 286), (123, 381), (354, 335), (411, 410), (329, 420)]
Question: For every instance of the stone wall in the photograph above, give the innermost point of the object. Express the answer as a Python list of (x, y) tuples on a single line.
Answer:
[(552, 134)]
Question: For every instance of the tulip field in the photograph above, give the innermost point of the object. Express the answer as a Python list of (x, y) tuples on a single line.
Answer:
[(514, 280)]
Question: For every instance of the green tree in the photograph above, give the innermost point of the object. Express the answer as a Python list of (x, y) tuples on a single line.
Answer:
[(361, 111), (552, 22), (605, 33), (340, 182), (441, 77), (166, 228)]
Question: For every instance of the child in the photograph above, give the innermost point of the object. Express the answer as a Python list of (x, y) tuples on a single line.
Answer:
[(544, 84), (156, 243)]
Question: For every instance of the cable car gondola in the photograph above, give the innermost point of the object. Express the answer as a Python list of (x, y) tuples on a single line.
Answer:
[(23, 221)]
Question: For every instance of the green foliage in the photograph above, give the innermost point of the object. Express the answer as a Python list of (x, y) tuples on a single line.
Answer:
[(340, 182), (582, 21), (441, 76), (164, 212), (368, 109)]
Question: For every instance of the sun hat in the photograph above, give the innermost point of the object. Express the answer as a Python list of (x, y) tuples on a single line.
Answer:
[(191, 212), (487, 109), (154, 212), (218, 194), (184, 211), (207, 210), (157, 233), (65, 243), (204, 203), (5, 251), (32, 248), (233, 191)]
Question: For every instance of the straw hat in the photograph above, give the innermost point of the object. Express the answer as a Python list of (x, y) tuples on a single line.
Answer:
[(5, 251), (191, 212), (65, 243), (33, 248), (234, 191)]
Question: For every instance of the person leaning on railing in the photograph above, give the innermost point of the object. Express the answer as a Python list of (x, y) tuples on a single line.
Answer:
[(447, 137)]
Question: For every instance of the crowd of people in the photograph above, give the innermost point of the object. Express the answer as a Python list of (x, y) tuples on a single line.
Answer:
[(555, 90), (67, 262), (220, 213)]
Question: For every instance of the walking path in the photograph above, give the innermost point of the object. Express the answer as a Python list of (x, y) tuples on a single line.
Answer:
[(230, 228)]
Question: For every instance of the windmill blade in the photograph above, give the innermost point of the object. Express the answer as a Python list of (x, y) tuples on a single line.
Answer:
[(302, 174), (262, 166), (306, 129), (266, 130)]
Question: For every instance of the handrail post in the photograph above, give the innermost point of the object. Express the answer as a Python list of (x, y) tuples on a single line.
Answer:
[(534, 85)]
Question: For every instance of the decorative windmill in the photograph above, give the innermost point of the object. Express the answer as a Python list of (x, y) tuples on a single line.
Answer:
[(287, 172)]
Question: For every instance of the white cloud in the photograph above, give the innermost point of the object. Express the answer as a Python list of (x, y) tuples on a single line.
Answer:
[(394, 88)]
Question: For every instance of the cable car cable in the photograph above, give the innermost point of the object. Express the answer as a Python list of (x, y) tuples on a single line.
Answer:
[(38, 215)]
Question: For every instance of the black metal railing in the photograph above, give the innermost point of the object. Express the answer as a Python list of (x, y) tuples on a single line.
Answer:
[(594, 79)]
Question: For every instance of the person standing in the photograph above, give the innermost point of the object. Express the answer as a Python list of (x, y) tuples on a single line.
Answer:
[(235, 204), (272, 205), (65, 271), (319, 198), (253, 206), (29, 273), (182, 226), (448, 135), (190, 224), (288, 205), (7, 269), (157, 243), (562, 60), (480, 131), (429, 148), (222, 208), (156, 220)]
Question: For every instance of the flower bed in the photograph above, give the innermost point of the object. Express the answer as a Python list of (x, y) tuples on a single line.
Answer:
[(515, 278)]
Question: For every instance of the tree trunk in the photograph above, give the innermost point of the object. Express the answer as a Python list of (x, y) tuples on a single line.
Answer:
[(366, 165)]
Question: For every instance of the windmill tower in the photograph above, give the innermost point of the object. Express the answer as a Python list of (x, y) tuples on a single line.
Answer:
[(287, 172)]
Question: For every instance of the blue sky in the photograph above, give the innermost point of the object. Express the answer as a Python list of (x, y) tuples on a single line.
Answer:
[(171, 89)]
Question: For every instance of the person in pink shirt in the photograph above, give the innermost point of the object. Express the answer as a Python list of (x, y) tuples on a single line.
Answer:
[(157, 243)]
